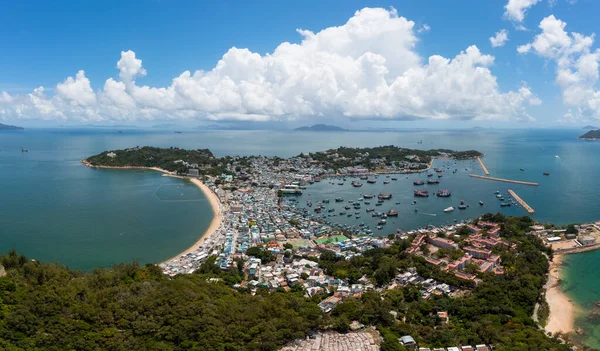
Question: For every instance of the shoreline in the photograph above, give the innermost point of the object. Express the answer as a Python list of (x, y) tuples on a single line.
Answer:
[(562, 309), (215, 224), (212, 198)]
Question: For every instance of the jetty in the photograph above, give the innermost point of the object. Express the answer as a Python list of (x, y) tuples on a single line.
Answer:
[(503, 180), (483, 167), (521, 201)]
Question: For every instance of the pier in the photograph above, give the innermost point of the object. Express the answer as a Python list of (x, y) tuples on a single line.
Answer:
[(521, 201), (485, 170), (503, 180)]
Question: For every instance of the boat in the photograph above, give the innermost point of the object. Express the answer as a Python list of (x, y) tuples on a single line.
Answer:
[(505, 204), (481, 203), (398, 203), (449, 209), (522, 169), (356, 184), (394, 178), (429, 174), (462, 207), (331, 210), (438, 170), (177, 132), (386, 182), (347, 207), (392, 213), (372, 181), (368, 196), (421, 193), (546, 173), (318, 209), (418, 182), (433, 182), (367, 203), (439, 175), (309, 203), (378, 204), (381, 222), (326, 201), (496, 192), (370, 210), (340, 183), (443, 193), (384, 196), (349, 215), (339, 199), (364, 177), (24, 150), (375, 214)]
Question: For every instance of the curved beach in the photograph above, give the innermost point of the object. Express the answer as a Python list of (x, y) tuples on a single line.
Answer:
[(562, 309), (215, 204)]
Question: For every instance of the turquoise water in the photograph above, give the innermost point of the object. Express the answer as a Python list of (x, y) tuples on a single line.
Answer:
[(581, 282)]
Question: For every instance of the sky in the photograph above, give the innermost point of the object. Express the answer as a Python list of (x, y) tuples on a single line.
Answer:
[(357, 64)]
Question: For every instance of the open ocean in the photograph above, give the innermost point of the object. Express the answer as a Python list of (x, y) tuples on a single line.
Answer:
[(52, 208)]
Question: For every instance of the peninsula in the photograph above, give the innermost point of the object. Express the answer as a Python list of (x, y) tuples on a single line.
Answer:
[(591, 135), (8, 127), (418, 285)]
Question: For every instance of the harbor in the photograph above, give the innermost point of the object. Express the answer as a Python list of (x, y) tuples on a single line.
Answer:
[(483, 167), (521, 202), (504, 180)]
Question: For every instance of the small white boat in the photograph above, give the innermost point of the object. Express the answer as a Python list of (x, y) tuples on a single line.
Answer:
[(449, 209)]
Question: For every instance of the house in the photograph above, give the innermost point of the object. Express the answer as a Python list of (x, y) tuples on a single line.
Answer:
[(477, 253), (408, 342), (587, 240), (329, 303), (442, 317)]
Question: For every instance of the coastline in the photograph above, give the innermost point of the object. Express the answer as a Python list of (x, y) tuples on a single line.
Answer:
[(213, 199), (562, 309), (215, 204)]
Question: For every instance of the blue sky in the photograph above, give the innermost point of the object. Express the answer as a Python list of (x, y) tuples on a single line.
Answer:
[(43, 43)]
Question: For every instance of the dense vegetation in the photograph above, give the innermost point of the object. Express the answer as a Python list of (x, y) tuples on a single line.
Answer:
[(128, 307), (592, 134), (354, 157), (49, 307)]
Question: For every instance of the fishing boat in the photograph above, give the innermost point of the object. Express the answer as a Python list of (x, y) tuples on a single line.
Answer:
[(372, 181), (433, 181), (449, 209), (462, 207), (421, 193), (326, 201), (356, 184), (429, 174), (394, 178), (368, 196), (385, 196), (443, 193), (392, 213), (546, 173), (339, 199), (481, 203), (418, 182), (370, 210), (505, 204), (386, 182), (364, 177), (381, 222), (309, 203)]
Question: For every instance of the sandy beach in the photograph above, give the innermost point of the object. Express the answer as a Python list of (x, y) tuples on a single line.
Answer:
[(215, 204), (562, 310), (214, 225)]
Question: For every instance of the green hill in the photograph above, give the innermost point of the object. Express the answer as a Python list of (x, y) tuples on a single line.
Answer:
[(7, 127), (591, 135)]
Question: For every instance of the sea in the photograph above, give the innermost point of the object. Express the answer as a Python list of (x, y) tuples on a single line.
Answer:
[(54, 209)]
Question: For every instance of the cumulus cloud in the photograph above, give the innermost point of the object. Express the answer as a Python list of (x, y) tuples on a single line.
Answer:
[(367, 68), (576, 66), (515, 10), (499, 39)]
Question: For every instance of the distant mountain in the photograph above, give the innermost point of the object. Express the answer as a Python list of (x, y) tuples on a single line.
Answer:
[(321, 128), (7, 127), (591, 135), (588, 127)]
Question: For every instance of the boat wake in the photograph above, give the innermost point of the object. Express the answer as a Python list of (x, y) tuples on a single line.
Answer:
[(556, 156), (430, 214)]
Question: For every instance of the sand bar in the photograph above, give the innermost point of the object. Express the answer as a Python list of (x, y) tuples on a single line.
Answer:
[(562, 309)]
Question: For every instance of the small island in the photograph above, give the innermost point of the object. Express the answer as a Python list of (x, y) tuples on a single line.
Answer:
[(590, 127), (591, 135), (8, 127), (321, 128)]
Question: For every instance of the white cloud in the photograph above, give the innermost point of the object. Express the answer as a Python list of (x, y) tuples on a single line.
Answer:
[(367, 68), (499, 39), (515, 10), (576, 66), (424, 28), (5, 98)]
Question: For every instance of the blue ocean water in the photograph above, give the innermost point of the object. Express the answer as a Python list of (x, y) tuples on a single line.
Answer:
[(53, 208)]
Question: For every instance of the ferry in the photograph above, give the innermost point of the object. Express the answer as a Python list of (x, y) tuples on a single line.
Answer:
[(418, 182), (443, 193), (421, 193), (384, 196), (392, 213), (449, 209)]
